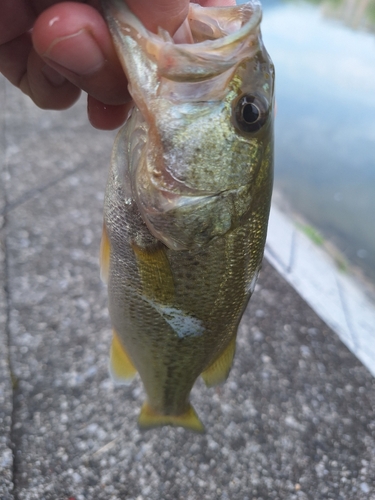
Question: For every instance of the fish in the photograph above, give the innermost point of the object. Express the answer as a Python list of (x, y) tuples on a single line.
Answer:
[(187, 201)]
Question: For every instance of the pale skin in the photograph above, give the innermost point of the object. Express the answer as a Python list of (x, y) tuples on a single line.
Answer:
[(53, 50)]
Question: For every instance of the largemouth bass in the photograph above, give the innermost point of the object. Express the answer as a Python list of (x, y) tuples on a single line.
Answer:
[(187, 201)]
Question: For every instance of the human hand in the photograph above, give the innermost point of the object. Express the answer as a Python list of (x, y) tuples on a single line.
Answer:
[(53, 50)]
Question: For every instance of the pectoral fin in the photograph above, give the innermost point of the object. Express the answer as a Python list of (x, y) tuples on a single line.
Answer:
[(105, 254), (149, 419), (155, 273), (218, 372), (121, 367)]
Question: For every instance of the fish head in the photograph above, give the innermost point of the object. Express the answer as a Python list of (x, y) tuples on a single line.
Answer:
[(206, 109)]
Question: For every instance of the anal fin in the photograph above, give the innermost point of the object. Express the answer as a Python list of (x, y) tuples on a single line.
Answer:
[(121, 367), (218, 371), (105, 255), (148, 419)]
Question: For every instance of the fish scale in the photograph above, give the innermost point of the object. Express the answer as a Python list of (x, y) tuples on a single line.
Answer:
[(187, 202)]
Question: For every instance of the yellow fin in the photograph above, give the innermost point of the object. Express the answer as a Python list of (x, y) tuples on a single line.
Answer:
[(121, 367), (105, 254), (218, 372), (149, 419), (155, 272)]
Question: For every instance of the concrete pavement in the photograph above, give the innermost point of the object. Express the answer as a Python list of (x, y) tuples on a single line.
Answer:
[(295, 420)]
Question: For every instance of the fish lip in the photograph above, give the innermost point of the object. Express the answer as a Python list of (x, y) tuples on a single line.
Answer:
[(197, 61)]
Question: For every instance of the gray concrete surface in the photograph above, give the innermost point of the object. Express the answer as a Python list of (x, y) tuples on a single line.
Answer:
[(6, 399), (295, 420), (336, 295)]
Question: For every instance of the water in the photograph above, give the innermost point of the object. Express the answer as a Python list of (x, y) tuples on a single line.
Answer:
[(325, 127)]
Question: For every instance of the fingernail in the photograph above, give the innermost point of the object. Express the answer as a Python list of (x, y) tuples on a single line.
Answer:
[(78, 53), (54, 78)]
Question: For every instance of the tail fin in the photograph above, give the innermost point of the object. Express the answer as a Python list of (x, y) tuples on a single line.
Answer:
[(149, 419)]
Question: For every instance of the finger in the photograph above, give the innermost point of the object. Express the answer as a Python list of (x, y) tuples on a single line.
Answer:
[(26, 70), (167, 14), (16, 18), (13, 58), (74, 39), (216, 3), (105, 116), (46, 87)]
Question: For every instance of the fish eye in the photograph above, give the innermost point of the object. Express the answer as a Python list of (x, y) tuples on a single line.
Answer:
[(250, 113)]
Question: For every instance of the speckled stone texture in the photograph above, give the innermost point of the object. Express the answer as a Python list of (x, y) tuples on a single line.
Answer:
[(6, 396), (295, 420)]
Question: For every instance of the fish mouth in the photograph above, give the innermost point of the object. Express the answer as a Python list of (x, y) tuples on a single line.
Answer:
[(222, 37)]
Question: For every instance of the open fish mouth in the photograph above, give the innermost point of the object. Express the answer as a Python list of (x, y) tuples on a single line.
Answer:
[(221, 36)]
